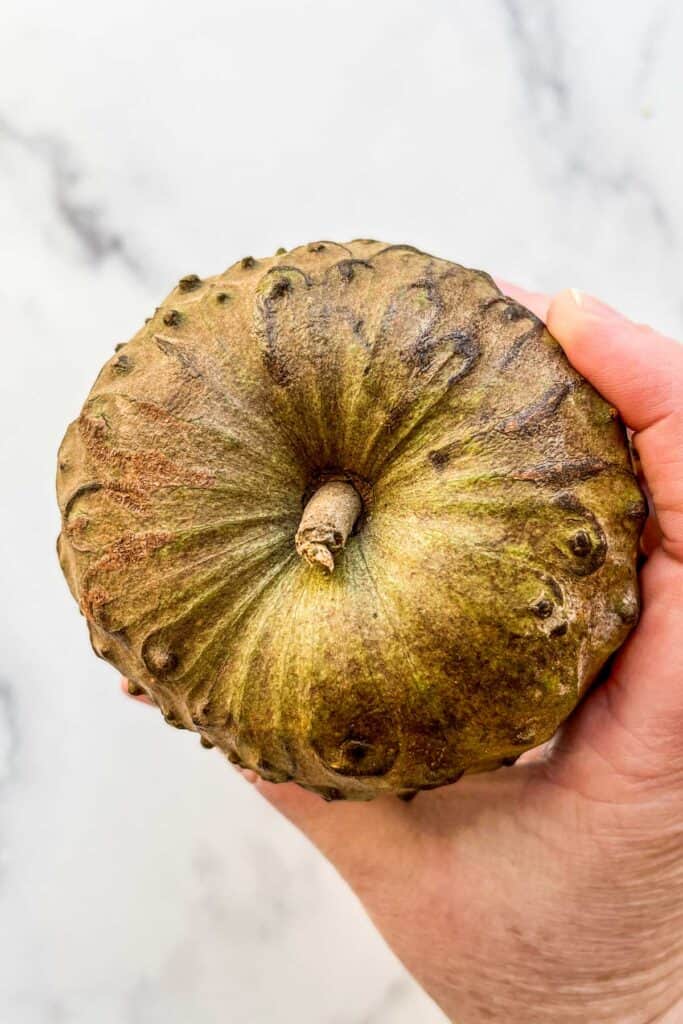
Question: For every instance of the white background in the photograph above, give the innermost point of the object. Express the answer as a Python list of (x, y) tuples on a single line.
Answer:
[(141, 880)]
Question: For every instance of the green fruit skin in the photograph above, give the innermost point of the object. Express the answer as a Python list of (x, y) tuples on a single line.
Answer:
[(492, 571)]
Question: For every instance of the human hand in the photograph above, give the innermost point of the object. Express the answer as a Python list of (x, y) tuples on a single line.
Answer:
[(553, 890)]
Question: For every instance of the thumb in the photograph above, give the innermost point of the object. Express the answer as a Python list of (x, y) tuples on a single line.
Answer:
[(640, 372)]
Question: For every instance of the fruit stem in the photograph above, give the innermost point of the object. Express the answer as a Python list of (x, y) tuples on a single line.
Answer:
[(327, 521)]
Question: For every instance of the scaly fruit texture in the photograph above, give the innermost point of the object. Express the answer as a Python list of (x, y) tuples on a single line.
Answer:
[(348, 513)]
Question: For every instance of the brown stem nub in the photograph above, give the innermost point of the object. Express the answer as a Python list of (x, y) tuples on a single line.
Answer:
[(327, 522)]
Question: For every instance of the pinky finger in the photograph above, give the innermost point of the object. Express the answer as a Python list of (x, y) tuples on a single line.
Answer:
[(133, 691)]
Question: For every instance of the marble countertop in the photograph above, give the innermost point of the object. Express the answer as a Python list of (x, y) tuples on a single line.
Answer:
[(141, 881)]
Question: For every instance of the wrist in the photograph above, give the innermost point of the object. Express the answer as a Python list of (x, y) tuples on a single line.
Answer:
[(596, 988), (641, 1008)]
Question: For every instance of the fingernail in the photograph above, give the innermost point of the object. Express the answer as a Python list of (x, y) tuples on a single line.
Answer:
[(594, 307), (247, 774)]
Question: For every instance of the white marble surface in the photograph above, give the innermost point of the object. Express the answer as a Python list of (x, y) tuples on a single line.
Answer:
[(141, 881)]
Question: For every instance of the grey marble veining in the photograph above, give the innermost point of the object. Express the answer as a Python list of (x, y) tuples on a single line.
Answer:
[(9, 738), (141, 880), (536, 32), (85, 221)]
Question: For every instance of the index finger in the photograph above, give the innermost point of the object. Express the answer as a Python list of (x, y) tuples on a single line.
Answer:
[(537, 302)]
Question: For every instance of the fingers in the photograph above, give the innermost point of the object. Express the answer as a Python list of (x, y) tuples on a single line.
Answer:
[(631, 728), (631, 365), (134, 692), (640, 372), (537, 302), (628, 734)]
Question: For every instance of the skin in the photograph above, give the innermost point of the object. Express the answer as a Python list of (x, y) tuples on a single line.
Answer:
[(554, 890)]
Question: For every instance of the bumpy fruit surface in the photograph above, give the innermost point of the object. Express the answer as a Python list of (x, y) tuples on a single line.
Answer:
[(348, 513)]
